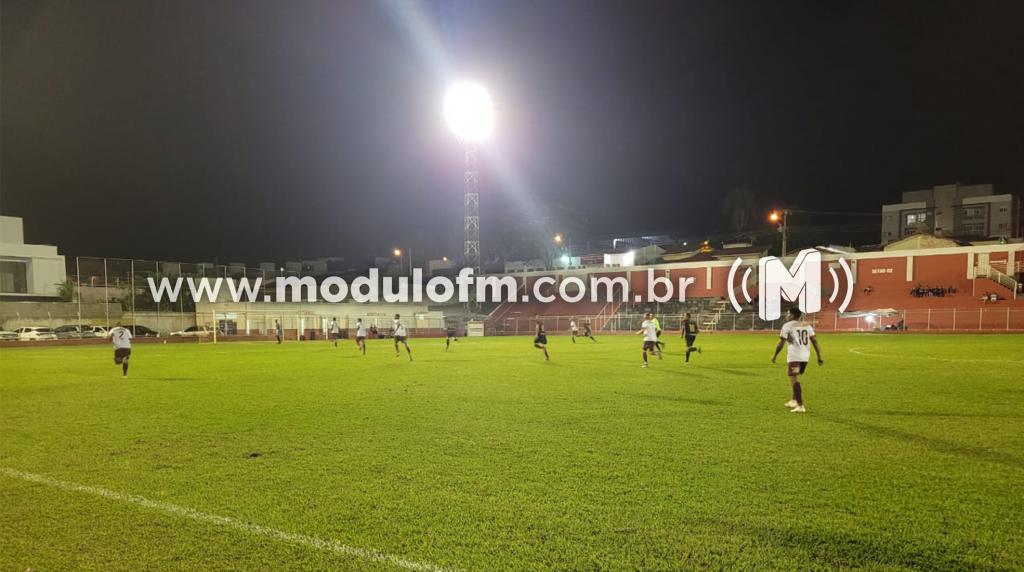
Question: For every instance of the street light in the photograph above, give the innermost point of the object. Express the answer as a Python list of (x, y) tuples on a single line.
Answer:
[(401, 259), (558, 238), (777, 217)]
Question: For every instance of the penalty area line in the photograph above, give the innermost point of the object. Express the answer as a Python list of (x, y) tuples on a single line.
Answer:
[(254, 529), (857, 351)]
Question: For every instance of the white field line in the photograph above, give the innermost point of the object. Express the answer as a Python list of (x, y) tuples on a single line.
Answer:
[(255, 529), (929, 358)]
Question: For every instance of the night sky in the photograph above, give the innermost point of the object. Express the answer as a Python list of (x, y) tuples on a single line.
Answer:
[(269, 130)]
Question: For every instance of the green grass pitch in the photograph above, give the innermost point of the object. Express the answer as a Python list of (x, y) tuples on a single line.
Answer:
[(212, 457)]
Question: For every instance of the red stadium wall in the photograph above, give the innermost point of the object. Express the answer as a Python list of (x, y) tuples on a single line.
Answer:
[(881, 281)]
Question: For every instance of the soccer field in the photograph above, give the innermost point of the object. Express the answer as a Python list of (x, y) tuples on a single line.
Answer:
[(254, 456)]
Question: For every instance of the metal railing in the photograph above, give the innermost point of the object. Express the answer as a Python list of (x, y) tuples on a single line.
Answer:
[(998, 277)]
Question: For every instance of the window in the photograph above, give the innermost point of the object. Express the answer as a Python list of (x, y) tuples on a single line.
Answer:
[(973, 229), (914, 218), (974, 212), (13, 277)]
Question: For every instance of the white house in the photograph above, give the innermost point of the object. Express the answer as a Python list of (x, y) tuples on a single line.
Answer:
[(27, 270)]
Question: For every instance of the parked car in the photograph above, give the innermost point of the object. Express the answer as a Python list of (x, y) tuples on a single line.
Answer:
[(142, 331), (32, 333), (74, 331), (194, 332), (6, 335), (100, 331)]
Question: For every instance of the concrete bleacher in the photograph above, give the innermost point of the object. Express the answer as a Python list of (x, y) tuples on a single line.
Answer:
[(521, 317)]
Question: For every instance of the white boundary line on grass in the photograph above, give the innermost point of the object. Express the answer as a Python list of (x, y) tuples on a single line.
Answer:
[(255, 529), (929, 358)]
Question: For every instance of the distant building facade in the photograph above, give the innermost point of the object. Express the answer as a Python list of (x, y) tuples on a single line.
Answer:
[(953, 210), (27, 270)]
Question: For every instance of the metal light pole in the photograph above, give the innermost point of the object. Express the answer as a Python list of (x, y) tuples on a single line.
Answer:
[(470, 116), (471, 204), (78, 290)]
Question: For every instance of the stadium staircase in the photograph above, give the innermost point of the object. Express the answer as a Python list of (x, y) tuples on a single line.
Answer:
[(520, 317), (994, 279)]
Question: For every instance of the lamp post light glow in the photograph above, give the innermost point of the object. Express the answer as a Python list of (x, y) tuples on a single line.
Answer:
[(558, 238)]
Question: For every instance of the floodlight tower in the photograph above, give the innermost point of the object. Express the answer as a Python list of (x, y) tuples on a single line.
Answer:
[(470, 116)]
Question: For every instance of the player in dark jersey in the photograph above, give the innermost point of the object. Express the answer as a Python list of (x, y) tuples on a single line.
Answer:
[(449, 336), (689, 332), (586, 331), (541, 340)]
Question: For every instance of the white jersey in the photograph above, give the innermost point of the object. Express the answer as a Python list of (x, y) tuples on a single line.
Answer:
[(798, 340), (334, 326), (574, 327), (650, 331), (360, 330), (399, 328), (122, 338)]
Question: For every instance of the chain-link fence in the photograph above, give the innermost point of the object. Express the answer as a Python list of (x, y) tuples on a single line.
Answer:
[(966, 320), (119, 289)]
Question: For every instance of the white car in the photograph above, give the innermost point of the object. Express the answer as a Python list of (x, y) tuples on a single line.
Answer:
[(31, 333), (194, 332), (100, 332), (5, 335)]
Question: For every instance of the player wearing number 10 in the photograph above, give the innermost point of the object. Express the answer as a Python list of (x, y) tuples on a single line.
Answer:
[(798, 335)]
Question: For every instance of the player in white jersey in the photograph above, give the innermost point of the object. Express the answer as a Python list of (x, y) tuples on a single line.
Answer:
[(798, 336), (400, 337), (574, 329), (361, 335), (335, 331), (649, 329), (122, 340)]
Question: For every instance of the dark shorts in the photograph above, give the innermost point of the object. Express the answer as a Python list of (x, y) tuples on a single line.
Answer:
[(335, 335), (796, 367), (650, 345), (399, 339), (360, 338), (121, 354), (691, 339), (542, 340)]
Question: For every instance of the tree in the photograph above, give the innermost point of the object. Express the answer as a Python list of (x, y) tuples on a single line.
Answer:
[(740, 208), (66, 290)]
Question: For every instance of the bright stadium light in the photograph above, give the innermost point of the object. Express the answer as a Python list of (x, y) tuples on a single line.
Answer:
[(469, 112), (397, 252), (558, 238)]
